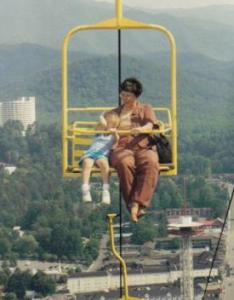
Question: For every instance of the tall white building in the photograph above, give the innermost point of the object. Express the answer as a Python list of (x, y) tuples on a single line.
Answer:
[(22, 109)]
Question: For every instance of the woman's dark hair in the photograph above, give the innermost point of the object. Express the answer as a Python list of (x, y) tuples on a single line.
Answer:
[(132, 85)]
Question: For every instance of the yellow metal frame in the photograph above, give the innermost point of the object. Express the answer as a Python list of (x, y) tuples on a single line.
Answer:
[(118, 23), (120, 259)]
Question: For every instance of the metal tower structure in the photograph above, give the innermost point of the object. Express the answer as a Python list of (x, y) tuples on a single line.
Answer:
[(186, 229)]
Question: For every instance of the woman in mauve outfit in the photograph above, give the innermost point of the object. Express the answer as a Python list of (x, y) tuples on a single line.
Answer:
[(136, 163)]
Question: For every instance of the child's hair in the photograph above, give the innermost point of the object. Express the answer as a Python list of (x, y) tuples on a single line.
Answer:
[(110, 117)]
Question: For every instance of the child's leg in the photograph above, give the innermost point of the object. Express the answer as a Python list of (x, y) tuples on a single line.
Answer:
[(103, 164), (86, 169)]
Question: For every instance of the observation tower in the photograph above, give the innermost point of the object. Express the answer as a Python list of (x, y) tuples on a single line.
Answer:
[(185, 228)]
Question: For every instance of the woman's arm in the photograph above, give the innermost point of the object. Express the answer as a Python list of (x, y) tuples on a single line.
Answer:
[(141, 129), (149, 120)]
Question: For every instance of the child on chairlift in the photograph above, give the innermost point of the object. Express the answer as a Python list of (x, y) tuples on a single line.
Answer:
[(98, 154)]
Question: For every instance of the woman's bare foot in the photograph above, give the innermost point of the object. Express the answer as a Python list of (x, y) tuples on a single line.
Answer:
[(134, 211), (140, 213)]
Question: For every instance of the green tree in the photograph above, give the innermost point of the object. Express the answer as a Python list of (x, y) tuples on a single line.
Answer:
[(5, 246), (74, 244), (162, 229), (143, 232), (3, 277), (43, 284), (18, 283), (58, 242), (26, 245), (10, 296), (92, 248)]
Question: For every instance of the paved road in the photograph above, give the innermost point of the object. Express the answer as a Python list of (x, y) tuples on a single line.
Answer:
[(228, 285)]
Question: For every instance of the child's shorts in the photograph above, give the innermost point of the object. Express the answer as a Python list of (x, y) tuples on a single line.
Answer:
[(93, 155)]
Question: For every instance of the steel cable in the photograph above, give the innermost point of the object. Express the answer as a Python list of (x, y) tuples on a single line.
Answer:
[(217, 246)]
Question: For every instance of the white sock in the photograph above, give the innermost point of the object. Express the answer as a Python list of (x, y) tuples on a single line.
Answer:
[(85, 187), (105, 186)]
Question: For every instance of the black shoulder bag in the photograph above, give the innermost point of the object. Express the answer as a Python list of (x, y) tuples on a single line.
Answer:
[(163, 147)]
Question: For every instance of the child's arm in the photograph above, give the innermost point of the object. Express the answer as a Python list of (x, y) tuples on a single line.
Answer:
[(116, 137)]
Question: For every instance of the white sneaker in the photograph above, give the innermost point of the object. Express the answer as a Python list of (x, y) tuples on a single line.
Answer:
[(106, 199), (86, 196)]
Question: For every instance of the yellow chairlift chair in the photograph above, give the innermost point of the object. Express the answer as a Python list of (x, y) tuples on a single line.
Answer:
[(77, 136)]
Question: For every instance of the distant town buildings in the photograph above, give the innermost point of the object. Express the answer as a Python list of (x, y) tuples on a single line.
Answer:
[(18, 230), (10, 169), (106, 281), (22, 109), (203, 212)]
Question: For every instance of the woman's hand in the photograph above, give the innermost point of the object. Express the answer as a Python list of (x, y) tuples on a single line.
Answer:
[(136, 130), (142, 129)]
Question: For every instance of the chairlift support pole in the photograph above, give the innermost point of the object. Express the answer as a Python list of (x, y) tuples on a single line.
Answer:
[(120, 259)]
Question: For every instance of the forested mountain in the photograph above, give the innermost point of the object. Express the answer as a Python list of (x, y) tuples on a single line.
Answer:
[(58, 225), (36, 197), (205, 89), (45, 24), (19, 63)]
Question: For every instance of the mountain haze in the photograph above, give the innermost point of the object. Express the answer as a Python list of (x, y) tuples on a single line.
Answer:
[(205, 86), (43, 23), (223, 14), (30, 53)]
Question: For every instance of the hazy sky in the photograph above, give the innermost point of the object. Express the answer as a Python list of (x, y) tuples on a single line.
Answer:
[(161, 4)]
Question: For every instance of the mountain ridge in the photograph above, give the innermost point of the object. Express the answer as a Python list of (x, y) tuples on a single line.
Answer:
[(41, 24), (205, 86)]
